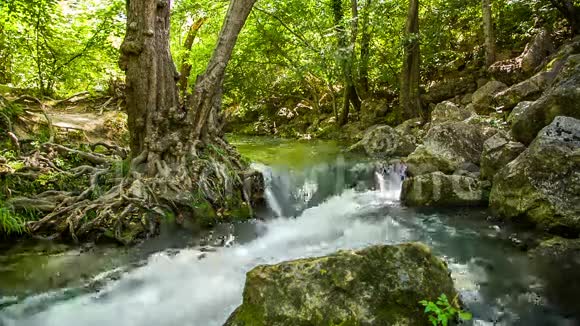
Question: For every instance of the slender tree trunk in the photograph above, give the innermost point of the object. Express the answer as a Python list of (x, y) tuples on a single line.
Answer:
[(185, 70), (345, 60), (489, 32), (409, 96), (365, 49), (208, 90)]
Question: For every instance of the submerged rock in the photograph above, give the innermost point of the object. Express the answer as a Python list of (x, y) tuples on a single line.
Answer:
[(446, 146), (380, 285), (563, 99), (498, 151), (542, 186), (384, 141), (438, 189), (562, 286)]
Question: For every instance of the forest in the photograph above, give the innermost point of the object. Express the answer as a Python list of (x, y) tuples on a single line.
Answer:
[(286, 162)]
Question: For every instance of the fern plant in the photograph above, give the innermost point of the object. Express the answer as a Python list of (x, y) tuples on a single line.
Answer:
[(442, 311), (10, 223)]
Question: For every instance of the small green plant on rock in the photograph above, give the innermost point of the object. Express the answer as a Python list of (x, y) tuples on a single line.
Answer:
[(441, 311)]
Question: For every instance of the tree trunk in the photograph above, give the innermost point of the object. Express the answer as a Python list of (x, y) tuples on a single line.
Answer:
[(489, 32), (409, 96), (185, 70), (206, 101), (160, 130), (180, 163), (346, 58), (365, 49)]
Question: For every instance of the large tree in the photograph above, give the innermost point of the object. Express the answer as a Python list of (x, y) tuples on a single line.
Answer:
[(409, 95), (178, 156)]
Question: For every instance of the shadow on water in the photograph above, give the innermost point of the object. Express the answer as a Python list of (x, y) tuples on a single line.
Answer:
[(319, 201)]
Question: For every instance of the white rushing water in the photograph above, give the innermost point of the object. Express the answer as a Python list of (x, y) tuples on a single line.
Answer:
[(185, 289), (313, 212)]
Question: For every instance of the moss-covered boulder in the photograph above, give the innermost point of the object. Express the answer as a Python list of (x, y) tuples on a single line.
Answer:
[(380, 285), (517, 111), (483, 98), (449, 111), (440, 190), (498, 151), (374, 110), (563, 99), (384, 142), (528, 90), (542, 186), (446, 146)]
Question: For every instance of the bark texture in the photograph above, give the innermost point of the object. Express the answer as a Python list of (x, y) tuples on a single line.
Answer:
[(163, 133), (488, 32), (365, 48), (180, 164), (346, 57), (409, 96)]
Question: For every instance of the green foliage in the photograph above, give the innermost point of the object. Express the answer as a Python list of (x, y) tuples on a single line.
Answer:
[(10, 223), (64, 45), (442, 311)]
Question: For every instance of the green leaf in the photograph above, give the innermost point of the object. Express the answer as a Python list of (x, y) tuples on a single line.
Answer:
[(465, 315)]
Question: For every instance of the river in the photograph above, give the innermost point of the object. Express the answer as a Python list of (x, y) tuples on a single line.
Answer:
[(319, 201)]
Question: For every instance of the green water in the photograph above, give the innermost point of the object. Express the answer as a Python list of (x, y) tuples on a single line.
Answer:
[(294, 154)]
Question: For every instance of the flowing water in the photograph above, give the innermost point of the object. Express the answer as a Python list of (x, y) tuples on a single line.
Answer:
[(319, 201)]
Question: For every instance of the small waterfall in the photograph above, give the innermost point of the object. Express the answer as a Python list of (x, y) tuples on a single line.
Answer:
[(271, 199), (288, 193), (389, 180)]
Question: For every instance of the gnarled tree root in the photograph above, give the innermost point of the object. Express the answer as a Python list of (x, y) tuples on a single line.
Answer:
[(136, 204)]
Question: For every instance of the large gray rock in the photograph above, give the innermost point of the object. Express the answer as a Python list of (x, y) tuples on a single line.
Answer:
[(528, 90), (373, 110), (413, 129), (483, 98), (542, 186), (448, 111), (384, 142), (517, 111), (512, 71), (498, 151), (539, 48), (563, 99), (380, 285), (440, 190), (446, 146), (448, 88)]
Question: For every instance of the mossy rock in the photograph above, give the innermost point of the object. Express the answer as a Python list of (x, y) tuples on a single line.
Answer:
[(446, 146), (542, 186), (380, 285), (563, 99), (438, 189)]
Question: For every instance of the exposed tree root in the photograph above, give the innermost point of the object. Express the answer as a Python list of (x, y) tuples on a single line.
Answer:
[(130, 206)]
